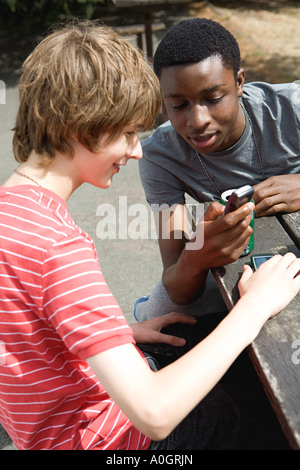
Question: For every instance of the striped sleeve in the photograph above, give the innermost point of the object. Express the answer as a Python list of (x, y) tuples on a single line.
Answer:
[(77, 301)]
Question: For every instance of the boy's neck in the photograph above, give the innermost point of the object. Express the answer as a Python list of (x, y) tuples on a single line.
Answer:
[(55, 176)]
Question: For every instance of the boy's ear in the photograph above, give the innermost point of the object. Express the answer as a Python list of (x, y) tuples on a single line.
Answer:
[(240, 82)]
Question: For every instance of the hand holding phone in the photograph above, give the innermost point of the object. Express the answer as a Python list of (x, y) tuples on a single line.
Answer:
[(239, 197)]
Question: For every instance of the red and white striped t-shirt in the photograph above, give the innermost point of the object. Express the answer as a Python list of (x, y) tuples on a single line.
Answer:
[(56, 310)]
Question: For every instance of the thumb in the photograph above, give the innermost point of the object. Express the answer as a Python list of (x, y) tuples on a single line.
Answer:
[(247, 274), (214, 211)]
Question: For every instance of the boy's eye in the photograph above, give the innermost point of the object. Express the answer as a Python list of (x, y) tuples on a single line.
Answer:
[(215, 100), (179, 106), (132, 131)]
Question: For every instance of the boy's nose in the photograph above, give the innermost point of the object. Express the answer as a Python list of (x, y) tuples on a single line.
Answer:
[(198, 117), (134, 149)]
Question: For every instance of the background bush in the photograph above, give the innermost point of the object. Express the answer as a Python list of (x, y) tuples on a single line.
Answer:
[(26, 14)]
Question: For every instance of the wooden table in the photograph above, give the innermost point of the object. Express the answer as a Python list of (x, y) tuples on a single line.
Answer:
[(275, 353), (146, 7)]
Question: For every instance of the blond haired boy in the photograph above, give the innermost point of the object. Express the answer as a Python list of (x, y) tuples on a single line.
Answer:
[(71, 376)]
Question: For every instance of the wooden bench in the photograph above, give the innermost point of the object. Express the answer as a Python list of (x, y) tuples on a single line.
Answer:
[(138, 30), (146, 8), (273, 352)]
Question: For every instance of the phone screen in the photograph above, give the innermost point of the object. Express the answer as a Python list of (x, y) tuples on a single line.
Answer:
[(258, 260)]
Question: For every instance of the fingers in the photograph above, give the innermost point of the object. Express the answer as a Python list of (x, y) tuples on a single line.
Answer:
[(170, 339), (214, 211), (275, 186), (283, 261), (270, 206), (291, 263), (154, 337), (279, 261), (277, 194), (171, 318), (287, 263), (226, 238), (231, 226), (233, 218), (286, 268), (286, 259)]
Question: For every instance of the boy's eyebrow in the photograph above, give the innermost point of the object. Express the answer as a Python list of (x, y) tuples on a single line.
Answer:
[(207, 90), (215, 87)]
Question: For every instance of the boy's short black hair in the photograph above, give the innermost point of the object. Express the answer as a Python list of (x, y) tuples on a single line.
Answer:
[(191, 41)]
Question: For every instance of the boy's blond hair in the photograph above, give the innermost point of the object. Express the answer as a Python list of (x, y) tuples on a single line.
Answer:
[(82, 81)]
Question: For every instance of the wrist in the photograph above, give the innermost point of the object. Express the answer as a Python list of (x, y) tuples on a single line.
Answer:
[(191, 261), (182, 284), (250, 317)]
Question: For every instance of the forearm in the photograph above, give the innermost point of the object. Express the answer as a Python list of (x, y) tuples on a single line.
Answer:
[(201, 368), (183, 277), (158, 402), (223, 240), (182, 284)]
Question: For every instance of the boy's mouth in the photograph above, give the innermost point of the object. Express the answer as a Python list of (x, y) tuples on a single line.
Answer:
[(203, 141)]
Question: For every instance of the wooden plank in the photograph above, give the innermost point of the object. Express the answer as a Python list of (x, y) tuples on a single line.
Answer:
[(269, 237), (291, 223), (272, 356), (139, 28), (147, 3), (273, 350)]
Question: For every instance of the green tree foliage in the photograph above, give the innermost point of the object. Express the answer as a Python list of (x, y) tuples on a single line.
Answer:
[(24, 14)]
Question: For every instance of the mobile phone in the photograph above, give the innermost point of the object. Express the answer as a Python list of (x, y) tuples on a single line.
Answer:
[(239, 197), (257, 260)]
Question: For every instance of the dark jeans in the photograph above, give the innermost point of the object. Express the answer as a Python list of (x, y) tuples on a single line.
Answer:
[(236, 414), (213, 425)]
